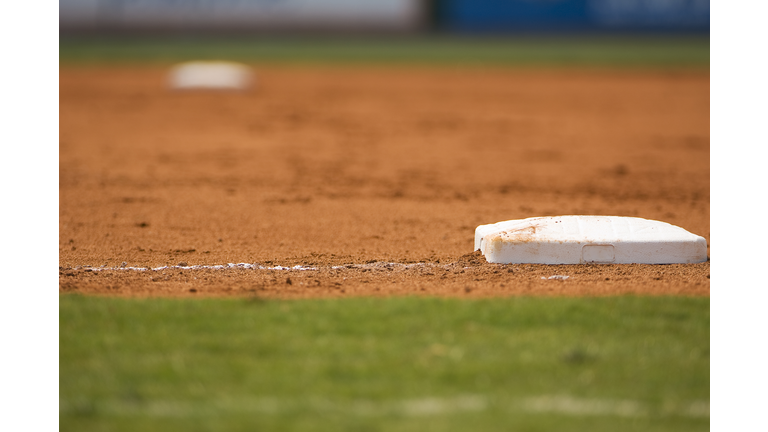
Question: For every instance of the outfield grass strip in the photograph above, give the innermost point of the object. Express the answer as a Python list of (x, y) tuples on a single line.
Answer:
[(552, 51)]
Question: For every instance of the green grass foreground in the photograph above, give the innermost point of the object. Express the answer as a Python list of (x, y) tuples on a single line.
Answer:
[(365, 364), (655, 51)]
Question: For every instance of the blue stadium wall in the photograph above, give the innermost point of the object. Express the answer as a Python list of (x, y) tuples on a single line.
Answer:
[(504, 16)]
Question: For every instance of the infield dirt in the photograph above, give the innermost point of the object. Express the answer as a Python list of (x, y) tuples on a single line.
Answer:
[(374, 176)]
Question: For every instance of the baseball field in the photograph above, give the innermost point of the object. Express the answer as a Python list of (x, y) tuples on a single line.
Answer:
[(298, 256)]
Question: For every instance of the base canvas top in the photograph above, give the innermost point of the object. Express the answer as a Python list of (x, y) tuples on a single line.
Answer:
[(588, 239)]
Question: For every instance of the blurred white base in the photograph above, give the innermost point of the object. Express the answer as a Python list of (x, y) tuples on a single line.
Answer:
[(212, 75)]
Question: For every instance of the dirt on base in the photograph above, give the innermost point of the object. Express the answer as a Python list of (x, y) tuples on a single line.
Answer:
[(373, 177)]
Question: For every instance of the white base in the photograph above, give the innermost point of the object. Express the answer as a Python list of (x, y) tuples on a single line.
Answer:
[(213, 75), (588, 239)]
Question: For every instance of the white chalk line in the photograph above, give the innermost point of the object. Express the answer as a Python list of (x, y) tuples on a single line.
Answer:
[(376, 266), (256, 266), (416, 407)]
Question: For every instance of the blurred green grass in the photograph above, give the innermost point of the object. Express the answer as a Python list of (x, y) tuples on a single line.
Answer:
[(597, 364), (654, 51)]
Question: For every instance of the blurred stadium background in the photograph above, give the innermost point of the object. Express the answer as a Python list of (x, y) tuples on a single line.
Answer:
[(384, 16)]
